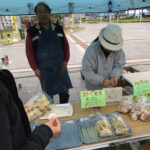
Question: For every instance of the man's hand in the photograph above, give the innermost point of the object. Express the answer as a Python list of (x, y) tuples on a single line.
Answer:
[(55, 126), (114, 81), (38, 73), (64, 66), (107, 82)]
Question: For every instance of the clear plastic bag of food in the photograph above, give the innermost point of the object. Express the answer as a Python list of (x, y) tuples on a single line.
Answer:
[(103, 126), (119, 125), (145, 115), (37, 106), (140, 109), (145, 112), (125, 106), (95, 128), (137, 106), (135, 112)]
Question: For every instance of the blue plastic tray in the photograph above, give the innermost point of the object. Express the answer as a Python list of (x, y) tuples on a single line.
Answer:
[(69, 137)]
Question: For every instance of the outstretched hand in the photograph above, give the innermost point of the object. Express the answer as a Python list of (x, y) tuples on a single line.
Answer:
[(55, 126)]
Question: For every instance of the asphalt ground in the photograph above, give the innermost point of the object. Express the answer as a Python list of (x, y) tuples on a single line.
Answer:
[(136, 47)]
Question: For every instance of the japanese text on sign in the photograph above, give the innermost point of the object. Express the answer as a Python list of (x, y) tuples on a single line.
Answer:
[(92, 98), (141, 87)]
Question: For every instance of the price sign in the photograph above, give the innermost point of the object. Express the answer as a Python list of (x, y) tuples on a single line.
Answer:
[(141, 88), (92, 98)]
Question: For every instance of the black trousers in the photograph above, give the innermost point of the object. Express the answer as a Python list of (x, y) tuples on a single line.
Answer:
[(63, 97)]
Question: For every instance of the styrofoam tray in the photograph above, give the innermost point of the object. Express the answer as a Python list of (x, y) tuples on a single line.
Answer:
[(67, 107)]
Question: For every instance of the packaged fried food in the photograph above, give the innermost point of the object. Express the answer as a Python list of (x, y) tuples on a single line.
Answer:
[(135, 115), (137, 107), (145, 115), (125, 106), (103, 128), (38, 107), (119, 125)]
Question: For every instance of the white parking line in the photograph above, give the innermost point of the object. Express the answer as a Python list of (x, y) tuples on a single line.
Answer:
[(70, 66), (76, 65), (8, 47), (137, 60), (70, 39), (78, 37), (128, 40), (15, 71), (21, 70)]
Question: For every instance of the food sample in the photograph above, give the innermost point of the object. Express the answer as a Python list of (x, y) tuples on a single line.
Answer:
[(37, 108), (119, 126), (103, 128)]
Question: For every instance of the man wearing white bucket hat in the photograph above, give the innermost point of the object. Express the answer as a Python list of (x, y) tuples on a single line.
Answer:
[(104, 59)]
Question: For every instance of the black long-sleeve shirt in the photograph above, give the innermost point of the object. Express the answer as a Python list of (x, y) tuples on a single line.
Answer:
[(12, 132)]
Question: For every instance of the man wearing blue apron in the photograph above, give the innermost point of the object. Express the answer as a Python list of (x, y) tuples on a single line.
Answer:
[(46, 53)]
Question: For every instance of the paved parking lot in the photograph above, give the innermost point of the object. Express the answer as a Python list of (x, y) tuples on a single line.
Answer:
[(136, 47)]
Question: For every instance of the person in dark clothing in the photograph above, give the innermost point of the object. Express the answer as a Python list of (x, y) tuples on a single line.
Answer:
[(14, 125), (47, 51), (29, 25)]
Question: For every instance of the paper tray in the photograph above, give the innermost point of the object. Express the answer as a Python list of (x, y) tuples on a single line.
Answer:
[(89, 133), (69, 136)]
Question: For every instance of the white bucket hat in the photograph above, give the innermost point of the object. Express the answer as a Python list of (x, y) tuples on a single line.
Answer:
[(110, 37)]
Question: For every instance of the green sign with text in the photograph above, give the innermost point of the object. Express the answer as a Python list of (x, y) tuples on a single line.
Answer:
[(92, 98), (141, 88)]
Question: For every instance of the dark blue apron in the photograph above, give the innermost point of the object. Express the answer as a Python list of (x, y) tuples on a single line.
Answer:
[(49, 57)]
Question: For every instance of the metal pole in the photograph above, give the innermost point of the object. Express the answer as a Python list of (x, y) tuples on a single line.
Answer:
[(72, 20)]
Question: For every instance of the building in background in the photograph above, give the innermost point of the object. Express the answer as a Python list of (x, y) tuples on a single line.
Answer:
[(1, 28), (7, 21)]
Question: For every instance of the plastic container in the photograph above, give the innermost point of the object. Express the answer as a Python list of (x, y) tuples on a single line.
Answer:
[(89, 131), (119, 125)]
